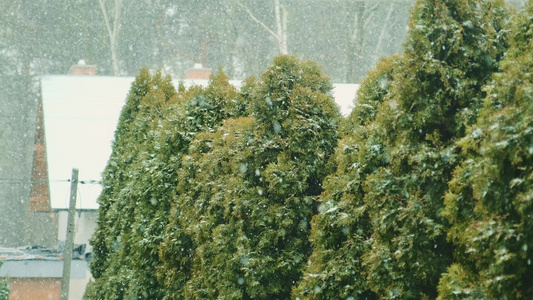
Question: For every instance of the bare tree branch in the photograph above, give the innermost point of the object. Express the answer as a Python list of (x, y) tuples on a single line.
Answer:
[(247, 10), (167, 44), (383, 30), (113, 33), (283, 28), (281, 15)]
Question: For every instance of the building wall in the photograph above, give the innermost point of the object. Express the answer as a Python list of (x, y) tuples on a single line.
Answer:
[(77, 286), (85, 224), (18, 124), (41, 279), (35, 289), (39, 195), (198, 73)]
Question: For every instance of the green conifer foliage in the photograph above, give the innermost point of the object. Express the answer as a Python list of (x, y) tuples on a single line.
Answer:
[(490, 201), (341, 229), (159, 135), (201, 112), (452, 48), (295, 133), (154, 131), (240, 223), (212, 184), (4, 287), (114, 174), (148, 188), (114, 262)]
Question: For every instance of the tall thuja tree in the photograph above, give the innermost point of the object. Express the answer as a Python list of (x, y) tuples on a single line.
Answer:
[(211, 185), (112, 266), (490, 201), (201, 110), (115, 175), (143, 193), (295, 133), (252, 184), (341, 229), (452, 49), (204, 112)]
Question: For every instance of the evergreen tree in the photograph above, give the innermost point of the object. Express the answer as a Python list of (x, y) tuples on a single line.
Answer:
[(113, 175), (155, 130), (490, 201), (295, 132), (452, 49), (112, 263), (146, 190), (211, 185), (156, 177), (341, 229), (246, 192), (203, 111), (4, 287)]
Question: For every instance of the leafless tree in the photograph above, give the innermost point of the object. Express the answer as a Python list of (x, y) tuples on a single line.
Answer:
[(112, 24), (281, 15)]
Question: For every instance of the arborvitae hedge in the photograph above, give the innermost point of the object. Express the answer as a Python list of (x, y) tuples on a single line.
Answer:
[(295, 132), (113, 262), (341, 228), (453, 47), (211, 185), (490, 201), (210, 193), (113, 177), (203, 112), (246, 192), (155, 128), (148, 188)]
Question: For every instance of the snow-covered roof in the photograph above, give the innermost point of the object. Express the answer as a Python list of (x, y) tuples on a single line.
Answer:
[(38, 262), (80, 117), (344, 94)]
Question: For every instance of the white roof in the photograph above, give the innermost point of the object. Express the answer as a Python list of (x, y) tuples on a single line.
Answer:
[(344, 94), (80, 117)]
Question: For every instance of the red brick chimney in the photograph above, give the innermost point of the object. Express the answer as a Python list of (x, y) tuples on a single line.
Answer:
[(198, 72), (81, 68)]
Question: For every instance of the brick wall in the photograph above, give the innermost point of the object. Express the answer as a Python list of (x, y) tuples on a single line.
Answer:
[(39, 195), (34, 288), (198, 72)]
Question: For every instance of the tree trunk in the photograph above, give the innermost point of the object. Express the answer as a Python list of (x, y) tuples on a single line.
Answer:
[(356, 43), (281, 23), (281, 15), (113, 27), (378, 51)]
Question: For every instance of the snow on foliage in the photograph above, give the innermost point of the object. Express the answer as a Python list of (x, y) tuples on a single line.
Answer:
[(214, 193), (489, 203)]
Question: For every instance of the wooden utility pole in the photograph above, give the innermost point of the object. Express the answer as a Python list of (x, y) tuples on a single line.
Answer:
[(69, 243)]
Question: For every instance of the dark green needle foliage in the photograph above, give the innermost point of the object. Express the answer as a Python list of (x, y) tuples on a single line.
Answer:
[(201, 111), (490, 201), (239, 227), (453, 47), (155, 129), (116, 211), (114, 175), (341, 229), (212, 184), (295, 132), (148, 189)]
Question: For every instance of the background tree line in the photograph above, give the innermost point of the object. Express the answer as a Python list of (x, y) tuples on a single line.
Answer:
[(47, 37), (424, 191), (241, 36)]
